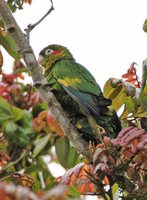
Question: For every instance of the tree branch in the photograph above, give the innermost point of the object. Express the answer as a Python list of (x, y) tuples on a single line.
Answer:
[(27, 54), (32, 26)]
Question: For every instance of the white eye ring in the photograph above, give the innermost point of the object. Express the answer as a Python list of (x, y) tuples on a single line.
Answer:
[(48, 51)]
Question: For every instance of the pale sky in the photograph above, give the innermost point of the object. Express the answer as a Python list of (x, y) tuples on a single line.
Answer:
[(105, 36)]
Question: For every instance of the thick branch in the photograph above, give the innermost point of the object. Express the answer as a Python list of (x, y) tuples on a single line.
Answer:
[(27, 54)]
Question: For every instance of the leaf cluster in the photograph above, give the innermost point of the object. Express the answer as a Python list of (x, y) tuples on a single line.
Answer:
[(17, 4), (28, 133), (127, 96)]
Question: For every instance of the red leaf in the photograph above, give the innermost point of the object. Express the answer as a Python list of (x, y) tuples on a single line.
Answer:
[(106, 180), (38, 124), (8, 78), (131, 76), (127, 135), (78, 176), (47, 121), (54, 125), (4, 158), (33, 98), (28, 1), (132, 68), (20, 76), (127, 75)]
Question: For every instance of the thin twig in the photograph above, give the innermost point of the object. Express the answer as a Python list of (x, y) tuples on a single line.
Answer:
[(30, 27)]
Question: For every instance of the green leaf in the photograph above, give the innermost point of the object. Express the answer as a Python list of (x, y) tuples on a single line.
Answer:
[(143, 99), (40, 144), (67, 155), (116, 94), (130, 104), (124, 113), (9, 127), (73, 192), (20, 71), (73, 158), (4, 116), (17, 113), (33, 171), (117, 98), (14, 5), (8, 111), (145, 26), (62, 150), (4, 105), (5, 111), (38, 108), (114, 189), (16, 124), (9, 45)]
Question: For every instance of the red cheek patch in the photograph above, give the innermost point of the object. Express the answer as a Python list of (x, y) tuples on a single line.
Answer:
[(55, 52)]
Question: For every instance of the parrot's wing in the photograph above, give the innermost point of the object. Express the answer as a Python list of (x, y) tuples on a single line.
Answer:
[(80, 85)]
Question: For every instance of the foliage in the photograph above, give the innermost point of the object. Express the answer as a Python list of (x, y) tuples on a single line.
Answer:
[(28, 126), (126, 93), (7, 42), (77, 176), (17, 4), (123, 161), (117, 163), (29, 133)]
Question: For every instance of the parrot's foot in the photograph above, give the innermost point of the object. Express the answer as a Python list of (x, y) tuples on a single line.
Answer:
[(38, 84), (100, 130), (48, 86)]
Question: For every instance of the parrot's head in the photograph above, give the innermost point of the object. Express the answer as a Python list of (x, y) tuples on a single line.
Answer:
[(52, 54)]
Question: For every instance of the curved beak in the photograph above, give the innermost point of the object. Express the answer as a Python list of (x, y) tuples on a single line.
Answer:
[(40, 59)]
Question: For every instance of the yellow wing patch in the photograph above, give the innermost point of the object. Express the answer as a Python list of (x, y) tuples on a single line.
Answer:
[(79, 125), (69, 81)]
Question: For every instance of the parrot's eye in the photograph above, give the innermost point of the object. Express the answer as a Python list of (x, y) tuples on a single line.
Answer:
[(48, 51)]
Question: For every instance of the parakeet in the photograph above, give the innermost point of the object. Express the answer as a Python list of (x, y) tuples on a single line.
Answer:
[(79, 94)]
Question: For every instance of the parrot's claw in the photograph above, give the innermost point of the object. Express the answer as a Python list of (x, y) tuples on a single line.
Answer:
[(47, 85), (37, 84), (100, 130)]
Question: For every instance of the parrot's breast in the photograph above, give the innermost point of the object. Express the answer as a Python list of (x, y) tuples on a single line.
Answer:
[(67, 103)]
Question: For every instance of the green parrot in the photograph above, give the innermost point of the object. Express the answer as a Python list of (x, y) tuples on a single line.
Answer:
[(79, 94)]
